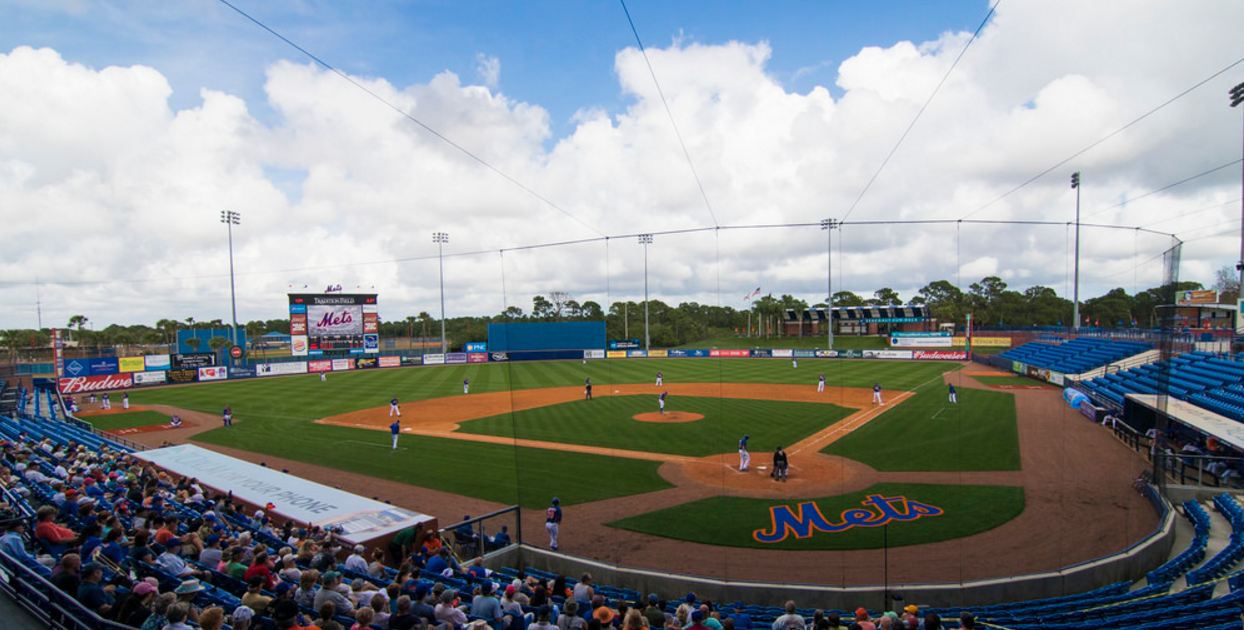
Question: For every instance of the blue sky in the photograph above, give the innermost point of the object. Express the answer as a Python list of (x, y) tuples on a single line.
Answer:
[(558, 55)]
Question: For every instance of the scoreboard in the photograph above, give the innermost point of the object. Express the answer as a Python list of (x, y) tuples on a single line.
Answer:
[(333, 323)]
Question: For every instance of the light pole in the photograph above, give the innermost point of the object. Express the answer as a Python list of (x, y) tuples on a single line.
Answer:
[(1075, 309), (230, 219), (440, 238), (1237, 97), (828, 225), (646, 240)]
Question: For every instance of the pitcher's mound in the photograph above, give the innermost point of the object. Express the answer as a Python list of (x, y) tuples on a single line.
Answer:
[(669, 416)]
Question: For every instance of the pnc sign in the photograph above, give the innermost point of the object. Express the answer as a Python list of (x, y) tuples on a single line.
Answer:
[(805, 519)]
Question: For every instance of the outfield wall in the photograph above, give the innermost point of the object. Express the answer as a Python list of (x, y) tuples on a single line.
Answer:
[(530, 336)]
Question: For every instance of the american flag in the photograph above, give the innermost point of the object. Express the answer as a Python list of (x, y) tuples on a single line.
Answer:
[(752, 294)]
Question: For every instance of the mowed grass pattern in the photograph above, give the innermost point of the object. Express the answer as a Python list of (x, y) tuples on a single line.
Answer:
[(114, 421), (607, 422), (273, 416), (967, 510), (927, 433)]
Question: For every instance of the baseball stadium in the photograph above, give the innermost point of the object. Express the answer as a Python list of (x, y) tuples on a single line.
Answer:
[(686, 417)]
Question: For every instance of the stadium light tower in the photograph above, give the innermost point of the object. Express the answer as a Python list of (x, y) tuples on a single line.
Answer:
[(646, 240), (828, 225), (1237, 97), (1075, 309), (440, 238), (230, 219)]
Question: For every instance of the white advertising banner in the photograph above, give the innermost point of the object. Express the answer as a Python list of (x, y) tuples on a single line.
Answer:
[(293, 498), (280, 369), (593, 354), (887, 354), (340, 365), (298, 345), (921, 342), (216, 373), (325, 320), (783, 353), (434, 359), (157, 362), (150, 378)]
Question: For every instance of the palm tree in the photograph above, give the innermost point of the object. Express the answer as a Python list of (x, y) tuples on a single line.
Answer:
[(168, 328), (194, 342)]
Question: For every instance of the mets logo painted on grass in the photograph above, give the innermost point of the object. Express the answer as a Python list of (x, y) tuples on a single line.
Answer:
[(804, 519)]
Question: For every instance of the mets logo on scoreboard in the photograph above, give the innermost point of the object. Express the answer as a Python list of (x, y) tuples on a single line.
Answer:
[(805, 518)]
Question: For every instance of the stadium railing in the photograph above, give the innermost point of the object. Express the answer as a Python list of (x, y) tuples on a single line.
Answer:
[(48, 604)]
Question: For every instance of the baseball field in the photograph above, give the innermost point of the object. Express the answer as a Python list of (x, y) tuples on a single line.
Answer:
[(916, 471)]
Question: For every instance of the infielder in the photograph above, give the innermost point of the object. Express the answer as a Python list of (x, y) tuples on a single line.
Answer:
[(745, 458), (393, 409), (226, 416), (106, 401), (660, 378), (661, 401), (877, 394), (125, 400), (820, 383), (466, 385), (553, 521), (587, 388), (395, 429), (954, 398)]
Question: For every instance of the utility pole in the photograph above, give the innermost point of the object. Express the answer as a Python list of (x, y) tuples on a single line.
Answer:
[(646, 240), (230, 219), (828, 225), (38, 305), (440, 238), (1075, 310)]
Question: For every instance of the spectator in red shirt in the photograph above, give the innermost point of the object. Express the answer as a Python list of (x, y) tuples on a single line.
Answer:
[(48, 531), (262, 568)]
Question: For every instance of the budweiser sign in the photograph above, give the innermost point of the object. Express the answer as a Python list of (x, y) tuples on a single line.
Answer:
[(940, 355), (84, 384)]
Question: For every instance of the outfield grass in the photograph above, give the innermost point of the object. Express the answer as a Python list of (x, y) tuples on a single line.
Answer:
[(927, 433), (129, 419), (731, 521), (607, 422)]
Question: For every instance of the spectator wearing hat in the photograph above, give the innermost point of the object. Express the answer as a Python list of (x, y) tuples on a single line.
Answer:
[(571, 620), (138, 606), (91, 593), (328, 594), (741, 619), (356, 562), (602, 613), (254, 597), (211, 554), (421, 605), (653, 612), (697, 620), (186, 593), (790, 620), (862, 620), (66, 575), (487, 607)]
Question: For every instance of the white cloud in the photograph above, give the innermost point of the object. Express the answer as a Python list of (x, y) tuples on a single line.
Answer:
[(100, 179)]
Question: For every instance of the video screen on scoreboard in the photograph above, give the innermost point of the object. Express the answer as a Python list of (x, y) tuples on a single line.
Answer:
[(334, 323)]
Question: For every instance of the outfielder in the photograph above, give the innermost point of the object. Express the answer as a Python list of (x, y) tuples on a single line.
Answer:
[(395, 428), (820, 383), (323, 377), (794, 363), (877, 394), (393, 409), (553, 521), (660, 378), (745, 458), (954, 397), (661, 401), (466, 385)]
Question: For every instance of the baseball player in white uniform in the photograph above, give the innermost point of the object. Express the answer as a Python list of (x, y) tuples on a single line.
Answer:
[(661, 401), (125, 401), (877, 394), (393, 409), (745, 458), (660, 378), (820, 383), (466, 385), (794, 363)]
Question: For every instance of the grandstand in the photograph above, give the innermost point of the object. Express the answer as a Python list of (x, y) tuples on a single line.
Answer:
[(1206, 380), (1076, 356)]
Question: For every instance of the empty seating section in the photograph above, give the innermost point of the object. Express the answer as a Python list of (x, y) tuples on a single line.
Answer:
[(1226, 559), (1076, 356), (1188, 558), (1201, 378)]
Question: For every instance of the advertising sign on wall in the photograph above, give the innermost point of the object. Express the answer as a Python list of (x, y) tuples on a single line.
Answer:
[(131, 364), (434, 359), (615, 354), (371, 323), (188, 375), (298, 345), (658, 354), (390, 361), (242, 372), (213, 373), (297, 324), (150, 378), (412, 359), (783, 353), (985, 342), (371, 344), (194, 360), (636, 354), (730, 353), (477, 357), (1197, 297), (475, 346), (804, 354), (624, 344), (320, 365), (340, 365), (887, 354), (281, 369), (593, 354), (456, 358), (698, 353), (366, 363), (58, 353), (937, 333), (1017, 367), (498, 356), (921, 342), (84, 384), (157, 362), (76, 367), (103, 365), (760, 353), (327, 320), (940, 355)]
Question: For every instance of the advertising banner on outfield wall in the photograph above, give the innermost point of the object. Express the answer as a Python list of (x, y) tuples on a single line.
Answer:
[(85, 384), (921, 342), (341, 365), (940, 355), (188, 375), (593, 354), (887, 354), (783, 353), (218, 373), (498, 356), (804, 354), (298, 345), (475, 346), (103, 365), (985, 342), (1017, 367), (390, 361), (131, 364), (371, 344), (320, 365), (636, 354), (366, 363), (242, 372), (412, 359), (434, 359), (455, 358), (695, 353), (292, 498), (658, 354), (477, 357), (730, 353), (1057, 378), (298, 324), (157, 362), (760, 353), (77, 367), (194, 360), (281, 369), (938, 333), (616, 354), (150, 378)]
